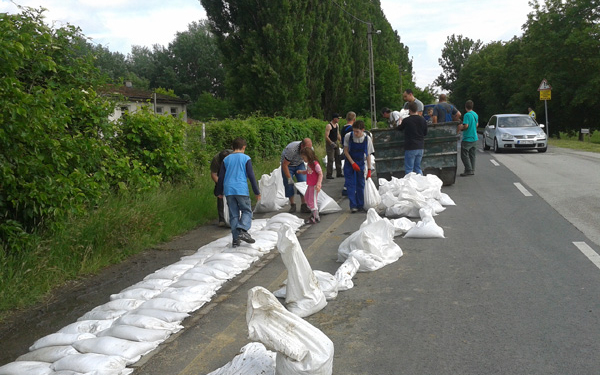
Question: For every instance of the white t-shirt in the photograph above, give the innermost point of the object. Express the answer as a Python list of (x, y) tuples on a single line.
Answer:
[(370, 147)]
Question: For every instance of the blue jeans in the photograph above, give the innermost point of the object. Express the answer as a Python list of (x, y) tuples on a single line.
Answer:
[(240, 213), (289, 189), (412, 161)]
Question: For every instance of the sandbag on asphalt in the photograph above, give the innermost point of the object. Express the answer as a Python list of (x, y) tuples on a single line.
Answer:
[(303, 295), (26, 367), (372, 197), (254, 358), (325, 203), (426, 228), (346, 272), (327, 283), (376, 238), (301, 348), (272, 192)]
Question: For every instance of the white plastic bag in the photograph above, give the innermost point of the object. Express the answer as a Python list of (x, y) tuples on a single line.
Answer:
[(372, 197), (271, 191), (301, 348), (254, 358), (303, 295), (376, 238), (426, 228), (346, 272)]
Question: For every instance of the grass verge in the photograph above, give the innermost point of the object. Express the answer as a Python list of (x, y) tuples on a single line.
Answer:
[(117, 229), (590, 143)]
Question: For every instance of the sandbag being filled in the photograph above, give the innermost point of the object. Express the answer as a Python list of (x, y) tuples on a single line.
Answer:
[(301, 348)]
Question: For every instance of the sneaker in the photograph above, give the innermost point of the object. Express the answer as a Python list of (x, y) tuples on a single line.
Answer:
[(235, 243), (310, 220), (330, 177), (340, 175), (245, 236), (222, 223), (467, 174), (292, 208), (354, 210), (304, 208)]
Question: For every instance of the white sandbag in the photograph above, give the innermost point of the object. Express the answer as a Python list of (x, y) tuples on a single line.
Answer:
[(254, 358), (26, 367), (402, 225), (103, 315), (272, 192), (165, 274), (372, 197), (59, 339), (190, 294), (48, 354), (167, 316), (403, 208), (133, 333), (159, 284), (325, 203), (367, 262), (303, 350), (251, 251), (132, 351), (141, 294), (204, 280), (372, 216), (275, 222), (167, 304), (197, 277), (303, 295), (346, 272), (205, 270), (119, 304), (148, 322), (426, 228), (90, 362), (87, 326), (436, 206), (376, 238), (445, 200), (327, 284)]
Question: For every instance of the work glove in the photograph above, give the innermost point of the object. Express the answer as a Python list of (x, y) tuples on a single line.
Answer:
[(369, 174), (290, 181), (355, 167)]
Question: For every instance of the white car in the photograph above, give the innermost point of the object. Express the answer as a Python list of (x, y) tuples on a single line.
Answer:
[(514, 132)]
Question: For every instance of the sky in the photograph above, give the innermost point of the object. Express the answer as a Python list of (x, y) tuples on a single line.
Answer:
[(423, 25)]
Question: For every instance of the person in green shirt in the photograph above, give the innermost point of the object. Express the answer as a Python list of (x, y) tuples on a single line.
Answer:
[(468, 147)]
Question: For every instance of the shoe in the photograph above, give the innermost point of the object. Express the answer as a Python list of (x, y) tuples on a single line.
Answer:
[(235, 243), (310, 220), (354, 210), (344, 193), (222, 223), (292, 208), (304, 208), (340, 175), (245, 236), (330, 177), (467, 174)]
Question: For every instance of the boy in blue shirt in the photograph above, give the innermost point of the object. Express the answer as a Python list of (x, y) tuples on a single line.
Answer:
[(235, 172)]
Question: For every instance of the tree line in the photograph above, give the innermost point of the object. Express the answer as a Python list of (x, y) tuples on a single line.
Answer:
[(291, 58), (560, 43)]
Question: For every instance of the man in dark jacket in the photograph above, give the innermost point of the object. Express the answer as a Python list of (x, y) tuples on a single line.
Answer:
[(415, 130)]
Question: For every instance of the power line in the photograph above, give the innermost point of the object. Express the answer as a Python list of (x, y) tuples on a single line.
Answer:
[(350, 14)]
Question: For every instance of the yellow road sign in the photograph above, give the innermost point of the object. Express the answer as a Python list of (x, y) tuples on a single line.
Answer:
[(545, 94)]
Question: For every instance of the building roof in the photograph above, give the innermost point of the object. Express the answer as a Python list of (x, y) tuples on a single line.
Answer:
[(134, 94)]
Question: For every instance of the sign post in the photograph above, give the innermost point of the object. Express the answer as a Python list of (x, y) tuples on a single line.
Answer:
[(546, 94)]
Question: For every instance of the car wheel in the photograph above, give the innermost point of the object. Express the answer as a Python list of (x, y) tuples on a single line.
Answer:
[(542, 149), (485, 145), (497, 149)]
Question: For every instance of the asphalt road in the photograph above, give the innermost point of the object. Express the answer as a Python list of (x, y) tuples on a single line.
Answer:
[(508, 291)]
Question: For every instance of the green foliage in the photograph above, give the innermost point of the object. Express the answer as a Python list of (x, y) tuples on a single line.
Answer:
[(209, 107), (561, 43), (455, 53), (156, 142), (167, 92)]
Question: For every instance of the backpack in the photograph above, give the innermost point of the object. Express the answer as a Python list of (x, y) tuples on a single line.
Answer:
[(344, 131)]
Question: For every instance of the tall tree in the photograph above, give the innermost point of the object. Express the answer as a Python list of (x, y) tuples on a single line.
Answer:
[(455, 53)]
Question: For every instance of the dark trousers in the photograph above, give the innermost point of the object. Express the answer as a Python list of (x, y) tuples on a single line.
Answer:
[(333, 155)]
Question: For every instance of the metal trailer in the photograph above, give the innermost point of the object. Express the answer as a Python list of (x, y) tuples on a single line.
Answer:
[(439, 158)]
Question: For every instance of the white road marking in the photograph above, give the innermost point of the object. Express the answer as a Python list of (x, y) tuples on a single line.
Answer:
[(495, 162), (588, 252), (523, 190)]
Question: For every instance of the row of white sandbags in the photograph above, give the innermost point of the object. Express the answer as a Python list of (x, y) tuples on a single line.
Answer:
[(305, 349), (140, 317)]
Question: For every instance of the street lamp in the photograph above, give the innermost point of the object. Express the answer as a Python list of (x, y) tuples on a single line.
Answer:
[(372, 75)]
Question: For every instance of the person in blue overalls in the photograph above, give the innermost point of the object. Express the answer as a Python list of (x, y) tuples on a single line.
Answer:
[(357, 148)]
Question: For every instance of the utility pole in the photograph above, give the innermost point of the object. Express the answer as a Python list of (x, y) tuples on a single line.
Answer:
[(372, 78)]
